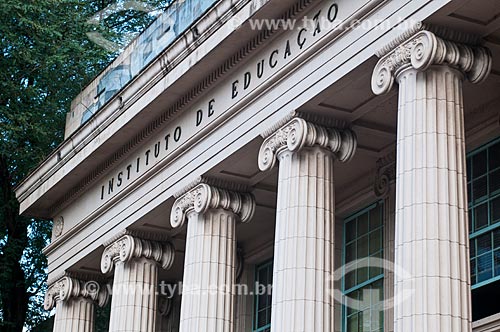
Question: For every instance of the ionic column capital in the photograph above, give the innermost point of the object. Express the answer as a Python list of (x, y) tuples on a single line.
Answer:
[(128, 247), (68, 287), (204, 197), (424, 49), (299, 133)]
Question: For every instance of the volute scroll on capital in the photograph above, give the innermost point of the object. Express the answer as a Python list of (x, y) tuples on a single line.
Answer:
[(204, 197), (299, 133), (68, 287), (425, 49), (128, 247)]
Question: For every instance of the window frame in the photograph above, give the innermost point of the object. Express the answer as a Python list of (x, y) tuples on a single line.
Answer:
[(255, 316), (472, 205), (370, 281)]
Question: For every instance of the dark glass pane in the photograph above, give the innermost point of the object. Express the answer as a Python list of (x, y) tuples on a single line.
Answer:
[(350, 252), (496, 238), (362, 245), (375, 241), (494, 181), (473, 271), (483, 243), (350, 280), (262, 277), (484, 268), (376, 217), (479, 188), (364, 323), (352, 324), (375, 268), (479, 164), (379, 285), (472, 247), (362, 224), (262, 302), (495, 210), (496, 258), (350, 299), (469, 168), (494, 155), (473, 279), (469, 192), (262, 318), (481, 216), (362, 275), (471, 213), (350, 232)]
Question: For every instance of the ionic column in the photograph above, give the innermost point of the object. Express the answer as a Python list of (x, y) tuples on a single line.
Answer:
[(431, 231), (135, 282), (210, 259), (74, 301), (302, 298)]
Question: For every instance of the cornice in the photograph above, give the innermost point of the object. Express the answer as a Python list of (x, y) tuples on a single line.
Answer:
[(210, 23), (179, 106)]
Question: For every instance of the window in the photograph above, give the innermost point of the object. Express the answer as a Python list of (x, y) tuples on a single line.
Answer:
[(483, 187), (263, 281), (362, 284)]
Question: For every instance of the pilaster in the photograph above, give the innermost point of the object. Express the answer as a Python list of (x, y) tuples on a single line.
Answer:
[(168, 313)]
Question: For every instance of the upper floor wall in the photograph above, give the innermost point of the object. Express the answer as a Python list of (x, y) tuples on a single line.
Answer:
[(167, 27)]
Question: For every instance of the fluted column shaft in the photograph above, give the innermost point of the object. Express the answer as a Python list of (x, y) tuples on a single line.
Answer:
[(303, 253), (136, 262), (210, 261), (134, 301), (75, 315), (209, 272), (431, 206), (431, 227), (303, 282)]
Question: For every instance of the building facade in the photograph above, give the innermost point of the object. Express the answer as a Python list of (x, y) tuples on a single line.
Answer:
[(291, 165)]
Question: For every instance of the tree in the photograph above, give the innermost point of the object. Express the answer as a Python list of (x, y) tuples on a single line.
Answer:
[(45, 61)]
